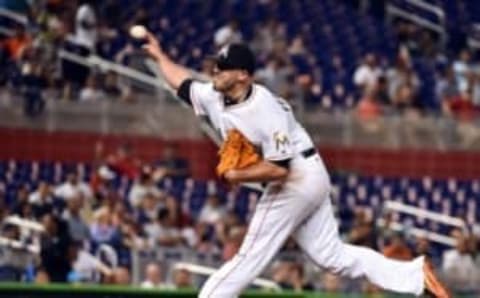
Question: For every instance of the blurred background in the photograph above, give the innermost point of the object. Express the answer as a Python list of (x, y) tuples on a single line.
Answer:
[(106, 179)]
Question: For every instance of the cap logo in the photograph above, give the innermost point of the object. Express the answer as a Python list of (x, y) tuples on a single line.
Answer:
[(224, 52)]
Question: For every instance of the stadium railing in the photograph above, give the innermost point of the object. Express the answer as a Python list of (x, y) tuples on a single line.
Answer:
[(422, 13)]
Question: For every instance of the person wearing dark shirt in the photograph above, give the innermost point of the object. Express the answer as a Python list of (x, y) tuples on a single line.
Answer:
[(57, 249), (172, 165)]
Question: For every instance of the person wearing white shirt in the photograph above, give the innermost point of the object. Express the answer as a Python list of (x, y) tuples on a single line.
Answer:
[(211, 212), (367, 74), (41, 196), (142, 187), (86, 25), (459, 266), (228, 34), (153, 278), (73, 187)]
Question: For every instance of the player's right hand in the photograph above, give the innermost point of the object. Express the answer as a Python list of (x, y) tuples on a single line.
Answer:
[(152, 47)]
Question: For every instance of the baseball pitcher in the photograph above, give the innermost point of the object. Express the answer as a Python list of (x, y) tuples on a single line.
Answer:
[(264, 143)]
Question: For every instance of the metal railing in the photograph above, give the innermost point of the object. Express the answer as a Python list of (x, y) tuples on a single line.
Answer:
[(451, 221), (397, 9)]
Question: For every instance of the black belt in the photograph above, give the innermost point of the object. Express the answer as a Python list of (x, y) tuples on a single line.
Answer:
[(309, 152)]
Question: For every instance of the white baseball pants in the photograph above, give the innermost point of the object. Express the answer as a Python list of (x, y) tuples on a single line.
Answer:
[(302, 208)]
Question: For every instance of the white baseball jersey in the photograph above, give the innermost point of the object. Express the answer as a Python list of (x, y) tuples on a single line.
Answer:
[(264, 119), (300, 208)]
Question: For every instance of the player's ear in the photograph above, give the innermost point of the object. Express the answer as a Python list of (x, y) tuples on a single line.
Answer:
[(244, 76)]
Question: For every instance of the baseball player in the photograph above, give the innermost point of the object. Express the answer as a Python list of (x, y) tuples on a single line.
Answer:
[(296, 197)]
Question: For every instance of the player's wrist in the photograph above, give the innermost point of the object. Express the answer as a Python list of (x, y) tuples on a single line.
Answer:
[(231, 176)]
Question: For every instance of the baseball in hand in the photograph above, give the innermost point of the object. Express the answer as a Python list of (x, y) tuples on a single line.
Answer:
[(138, 32)]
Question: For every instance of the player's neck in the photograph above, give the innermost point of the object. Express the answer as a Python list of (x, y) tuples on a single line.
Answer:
[(239, 94)]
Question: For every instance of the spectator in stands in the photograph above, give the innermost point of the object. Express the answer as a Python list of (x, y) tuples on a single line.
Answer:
[(148, 209), (459, 265), (121, 276), (182, 279), (424, 248), (101, 182), (298, 281), (475, 85), (16, 44), (233, 241), (228, 34), (144, 185), (446, 86), (267, 35), (398, 249), (204, 242), (369, 108), (362, 232), (41, 199), (111, 87), (382, 92), (274, 74), (405, 99), (281, 273), (462, 68), (21, 199), (13, 260), (42, 277), (153, 277), (367, 74), (102, 229), (86, 25), (463, 109), (331, 283), (73, 187), (162, 231), (124, 161), (212, 211), (91, 92), (338, 72), (402, 74), (32, 86), (57, 249), (172, 164), (77, 227)]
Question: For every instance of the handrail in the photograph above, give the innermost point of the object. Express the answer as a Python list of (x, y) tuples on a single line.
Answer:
[(203, 270), (93, 60), (422, 213), (6, 31), (391, 9), (14, 16), (431, 7), (432, 236)]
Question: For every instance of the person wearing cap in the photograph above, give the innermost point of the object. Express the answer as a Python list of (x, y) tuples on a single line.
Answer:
[(296, 199)]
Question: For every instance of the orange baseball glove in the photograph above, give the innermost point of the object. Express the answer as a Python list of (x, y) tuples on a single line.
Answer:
[(236, 153)]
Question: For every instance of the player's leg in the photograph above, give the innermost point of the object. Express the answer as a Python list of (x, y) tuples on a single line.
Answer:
[(320, 240), (274, 220)]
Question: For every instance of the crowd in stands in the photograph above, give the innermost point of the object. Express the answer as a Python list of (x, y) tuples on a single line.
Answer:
[(380, 81), (119, 205)]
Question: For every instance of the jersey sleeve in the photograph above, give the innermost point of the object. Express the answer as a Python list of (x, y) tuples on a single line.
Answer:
[(195, 93)]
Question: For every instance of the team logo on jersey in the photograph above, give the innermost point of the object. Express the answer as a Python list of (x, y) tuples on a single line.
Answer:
[(281, 140)]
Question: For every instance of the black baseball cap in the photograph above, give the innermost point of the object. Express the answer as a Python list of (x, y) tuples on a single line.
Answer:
[(236, 56)]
